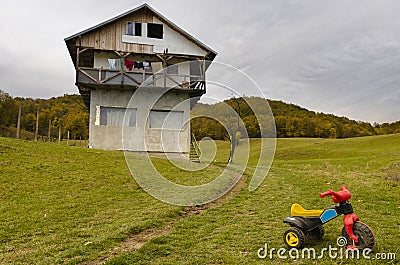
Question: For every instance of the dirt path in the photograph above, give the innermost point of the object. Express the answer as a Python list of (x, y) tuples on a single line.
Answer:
[(136, 241)]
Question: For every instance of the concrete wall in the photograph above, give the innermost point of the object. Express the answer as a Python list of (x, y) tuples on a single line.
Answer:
[(101, 59), (141, 137)]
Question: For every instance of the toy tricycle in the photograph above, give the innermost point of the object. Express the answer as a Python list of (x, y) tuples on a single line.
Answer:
[(310, 223)]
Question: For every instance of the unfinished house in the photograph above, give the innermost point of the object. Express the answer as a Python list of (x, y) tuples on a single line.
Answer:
[(115, 58)]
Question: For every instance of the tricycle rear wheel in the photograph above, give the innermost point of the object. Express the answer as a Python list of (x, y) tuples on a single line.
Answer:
[(294, 238)]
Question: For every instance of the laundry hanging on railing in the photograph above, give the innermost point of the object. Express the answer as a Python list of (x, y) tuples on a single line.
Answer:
[(129, 64), (114, 64), (146, 66), (142, 65), (111, 64), (138, 65)]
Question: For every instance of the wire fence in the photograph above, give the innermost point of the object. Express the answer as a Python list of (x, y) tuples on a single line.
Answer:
[(11, 132)]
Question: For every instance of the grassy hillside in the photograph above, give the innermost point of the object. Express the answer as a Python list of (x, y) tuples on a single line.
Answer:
[(302, 168), (61, 204)]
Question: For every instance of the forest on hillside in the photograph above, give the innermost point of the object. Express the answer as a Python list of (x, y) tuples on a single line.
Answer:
[(68, 113), (290, 121)]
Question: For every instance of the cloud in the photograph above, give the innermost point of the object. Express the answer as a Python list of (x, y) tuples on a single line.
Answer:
[(334, 56)]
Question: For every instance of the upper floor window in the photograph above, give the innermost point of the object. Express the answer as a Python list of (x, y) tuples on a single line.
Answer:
[(155, 30), (134, 28)]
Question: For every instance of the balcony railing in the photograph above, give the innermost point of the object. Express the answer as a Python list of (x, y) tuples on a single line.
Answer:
[(135, 78)]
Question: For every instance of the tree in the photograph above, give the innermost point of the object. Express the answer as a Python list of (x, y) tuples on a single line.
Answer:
[(28, 122), (252, 126), (8, 110), (76, 123)]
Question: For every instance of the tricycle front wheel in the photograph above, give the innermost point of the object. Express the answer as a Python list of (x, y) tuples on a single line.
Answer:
[(366, 238)]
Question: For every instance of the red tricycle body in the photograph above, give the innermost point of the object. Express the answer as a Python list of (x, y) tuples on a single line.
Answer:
[(310, 222)]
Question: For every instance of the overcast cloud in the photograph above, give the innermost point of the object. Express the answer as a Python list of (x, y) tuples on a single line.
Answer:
[(334, 56)]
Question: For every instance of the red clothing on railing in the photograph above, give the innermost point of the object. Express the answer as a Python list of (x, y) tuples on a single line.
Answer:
[(129, 64)]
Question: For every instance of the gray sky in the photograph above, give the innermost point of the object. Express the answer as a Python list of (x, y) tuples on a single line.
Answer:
[(333, 56)]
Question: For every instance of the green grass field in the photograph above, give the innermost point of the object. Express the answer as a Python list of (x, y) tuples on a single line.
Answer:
[(70, 205)]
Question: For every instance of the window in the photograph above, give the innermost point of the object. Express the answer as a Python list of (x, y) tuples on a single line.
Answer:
[(110, 116), (154, 30), (195, 72), (172, 69), (166, 119), (134, 28)]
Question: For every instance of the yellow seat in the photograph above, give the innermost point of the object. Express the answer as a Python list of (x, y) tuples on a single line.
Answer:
[(297, 210)]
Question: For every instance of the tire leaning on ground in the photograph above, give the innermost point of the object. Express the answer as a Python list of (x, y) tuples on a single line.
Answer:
[(294, 238), (366, 238)]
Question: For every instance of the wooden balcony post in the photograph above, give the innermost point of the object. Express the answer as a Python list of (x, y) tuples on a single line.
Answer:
[(78, 53), (101, 68)]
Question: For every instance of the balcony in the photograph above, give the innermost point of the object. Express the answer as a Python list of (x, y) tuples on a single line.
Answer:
[(92, 78)]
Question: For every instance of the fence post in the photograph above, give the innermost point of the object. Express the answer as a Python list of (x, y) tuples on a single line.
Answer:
[(59, 135), (37, 125), (19, 119), (48, 133)]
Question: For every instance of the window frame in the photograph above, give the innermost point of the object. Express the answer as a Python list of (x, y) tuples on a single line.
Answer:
[(102, 121), (152, 31), (136, 29)]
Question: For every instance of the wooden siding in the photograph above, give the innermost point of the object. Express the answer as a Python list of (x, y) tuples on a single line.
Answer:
[(109, 37)]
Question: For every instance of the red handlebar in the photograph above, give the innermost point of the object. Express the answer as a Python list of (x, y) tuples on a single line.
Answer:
[(326, 193), (340, 196)]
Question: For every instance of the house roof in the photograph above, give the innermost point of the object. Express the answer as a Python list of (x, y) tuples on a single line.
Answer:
[(160, 16)]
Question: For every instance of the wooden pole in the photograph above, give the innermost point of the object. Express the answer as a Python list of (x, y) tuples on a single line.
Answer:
[(37, 125), (49, 131), (59, 135), (78, 53), (19, 119), (67, 138), (165, 66), (77, 63), (233, 145)]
